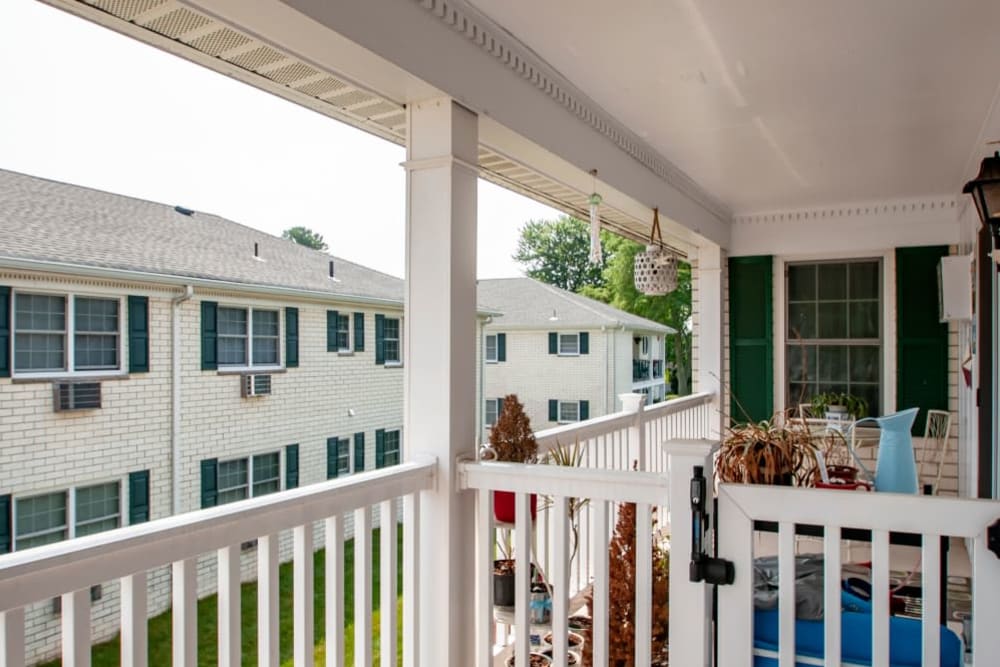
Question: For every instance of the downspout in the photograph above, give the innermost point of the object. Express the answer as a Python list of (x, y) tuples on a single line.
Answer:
[(609, 354), (175, 390), (482, 373)]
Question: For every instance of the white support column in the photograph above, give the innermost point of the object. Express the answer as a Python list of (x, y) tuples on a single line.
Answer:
[(633, 403), (440, 363), (708, 335), (12, 637), (690, 631)]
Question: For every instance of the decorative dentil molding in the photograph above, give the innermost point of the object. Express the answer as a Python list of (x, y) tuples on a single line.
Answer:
[(493, 39), (879, 209)]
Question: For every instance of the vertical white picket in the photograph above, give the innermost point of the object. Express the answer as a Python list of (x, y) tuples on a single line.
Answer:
[(786, 594), (484, 625), (12, 637), (362, 587), (560, 579), (930, 582), (599, 538), (522, 576), (333, 570), (387, 588), (831, 595), (302, 596), (184, 618), (411, 579), (268, 650), (134, 625), (76, 628), (643, 583), (735, 539), (228, 599), (985, 603), (880, 598)]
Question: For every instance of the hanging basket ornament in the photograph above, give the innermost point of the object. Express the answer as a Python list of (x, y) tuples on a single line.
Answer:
[(596, 256), (655, 269)]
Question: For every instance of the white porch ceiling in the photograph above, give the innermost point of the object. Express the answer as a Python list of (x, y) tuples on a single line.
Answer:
[(781, 104)]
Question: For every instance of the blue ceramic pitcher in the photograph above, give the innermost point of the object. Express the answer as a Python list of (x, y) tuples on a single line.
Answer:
[(895, 467)]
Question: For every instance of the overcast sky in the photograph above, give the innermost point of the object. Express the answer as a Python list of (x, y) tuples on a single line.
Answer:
[(82, 104)]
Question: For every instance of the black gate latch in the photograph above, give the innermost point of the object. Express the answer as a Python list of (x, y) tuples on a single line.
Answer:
[(993, 538), (711, 570)]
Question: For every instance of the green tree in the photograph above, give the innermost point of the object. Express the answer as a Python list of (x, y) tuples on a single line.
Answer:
[(305, 236), (557, 252), (673, 310)]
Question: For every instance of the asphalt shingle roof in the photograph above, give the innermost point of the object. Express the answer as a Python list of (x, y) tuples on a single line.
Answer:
[(52, 221), (528, 303)]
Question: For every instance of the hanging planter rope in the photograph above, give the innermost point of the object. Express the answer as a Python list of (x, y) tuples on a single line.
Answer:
[(655, 269)]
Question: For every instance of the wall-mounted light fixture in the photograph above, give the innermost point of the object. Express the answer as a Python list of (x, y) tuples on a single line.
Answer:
[(985, 191)]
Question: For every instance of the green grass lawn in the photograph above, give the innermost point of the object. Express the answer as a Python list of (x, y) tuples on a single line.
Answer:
[(108, 653)]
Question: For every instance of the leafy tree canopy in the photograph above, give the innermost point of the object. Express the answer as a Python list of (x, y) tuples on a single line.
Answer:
[(557, 252), (305, 236)]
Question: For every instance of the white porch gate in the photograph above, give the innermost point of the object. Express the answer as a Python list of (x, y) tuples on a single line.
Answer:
[(930, 517)]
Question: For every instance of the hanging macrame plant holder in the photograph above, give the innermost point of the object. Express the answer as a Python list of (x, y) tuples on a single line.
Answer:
[(656, 267)]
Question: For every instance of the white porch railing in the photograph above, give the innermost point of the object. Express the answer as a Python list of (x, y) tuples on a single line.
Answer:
[(881, 513), (68, 569)]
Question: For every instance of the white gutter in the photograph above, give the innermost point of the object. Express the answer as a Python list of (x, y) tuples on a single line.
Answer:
[(609, 360), (175, 390)]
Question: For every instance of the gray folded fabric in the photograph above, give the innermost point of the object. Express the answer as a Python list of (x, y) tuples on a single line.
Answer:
[(808, 585)]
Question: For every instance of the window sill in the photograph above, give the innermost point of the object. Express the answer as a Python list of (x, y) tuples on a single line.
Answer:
[(491, 361), (568, 354), (394, 364), (345, 353), (69, 377), (252, 370), (575, 421)]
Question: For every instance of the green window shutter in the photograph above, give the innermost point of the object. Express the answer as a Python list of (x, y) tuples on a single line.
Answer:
[(138, 497), (553, 410), (584, 342), (6, 530), (138, 334), (380, 339), (5, 355), (292, 337), (921, 340), (332, 317), (209, 334), (209, 482), (359, 332), (502, 347), (380, 448), (291, 466), (751, 341), (553, 342), (359, 452), (331, 458), (584, 410)]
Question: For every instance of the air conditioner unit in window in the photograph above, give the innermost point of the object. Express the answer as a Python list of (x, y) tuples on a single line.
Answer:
[(256, 385), (68, 396)]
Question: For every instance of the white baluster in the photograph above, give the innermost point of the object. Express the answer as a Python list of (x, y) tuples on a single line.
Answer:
[(930, 582), (560, 579), (735, 539), (600, 620), (411, 579), (134, 638), (362, 587), (985, 603), (302, 596), (387, 579), (484, 578), (334, 591), (831, 595), (185, 612), (880, 598), (786, 594), (76, 628), (643, 583), (522, 576), (228, 599), (12, 637), (268, 653)]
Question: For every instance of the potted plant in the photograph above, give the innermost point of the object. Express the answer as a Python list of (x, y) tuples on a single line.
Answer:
[(512, 440), (839, 406), (768, 452)]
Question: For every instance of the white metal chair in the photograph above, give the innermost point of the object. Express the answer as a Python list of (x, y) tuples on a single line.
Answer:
[(937, 436)]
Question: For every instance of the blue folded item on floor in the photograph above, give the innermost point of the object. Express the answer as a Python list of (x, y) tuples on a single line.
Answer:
[(855, 639)]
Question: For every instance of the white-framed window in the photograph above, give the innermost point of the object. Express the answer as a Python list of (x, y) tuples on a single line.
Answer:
[(66, 334), (644, 346), (491, 348), (569, 344), (391, 338), (343, 457), (833, 333), (52, 517), (390, 452), (569, 411), (492, 411), (343, 332), (248, 477), (248, 337)]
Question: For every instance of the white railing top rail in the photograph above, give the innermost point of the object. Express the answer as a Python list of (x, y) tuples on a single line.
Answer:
[(894, 512), (567, 434), (594, 483), (45, 572)]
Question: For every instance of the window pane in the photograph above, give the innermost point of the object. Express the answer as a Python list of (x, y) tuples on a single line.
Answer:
[(491, 348), (801, 320), (832, 281), (39, 341), (343, 456), (265, 323), (569, 411), (391, 329), (869, 392), (232, 341), (95, 315), (568, 344), (232, 478), (864, 319), (391, 339), (832, 320), (39, 352), (832, 363), (801, 361), (97, 509), (232, 322), (95, 351), (801, 282), (40, 520), (864, 280), (491, 411), (266, 474), (40, 312), (865, 363), (391, 453), (232, 351), (265, 350)]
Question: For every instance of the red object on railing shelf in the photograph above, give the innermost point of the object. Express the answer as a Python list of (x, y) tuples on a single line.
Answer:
[(503, 506)]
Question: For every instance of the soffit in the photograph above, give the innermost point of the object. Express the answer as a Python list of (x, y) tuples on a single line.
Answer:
[(777, 104)]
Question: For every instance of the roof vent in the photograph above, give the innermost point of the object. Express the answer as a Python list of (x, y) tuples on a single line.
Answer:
[(184, 211), (256, 252)]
